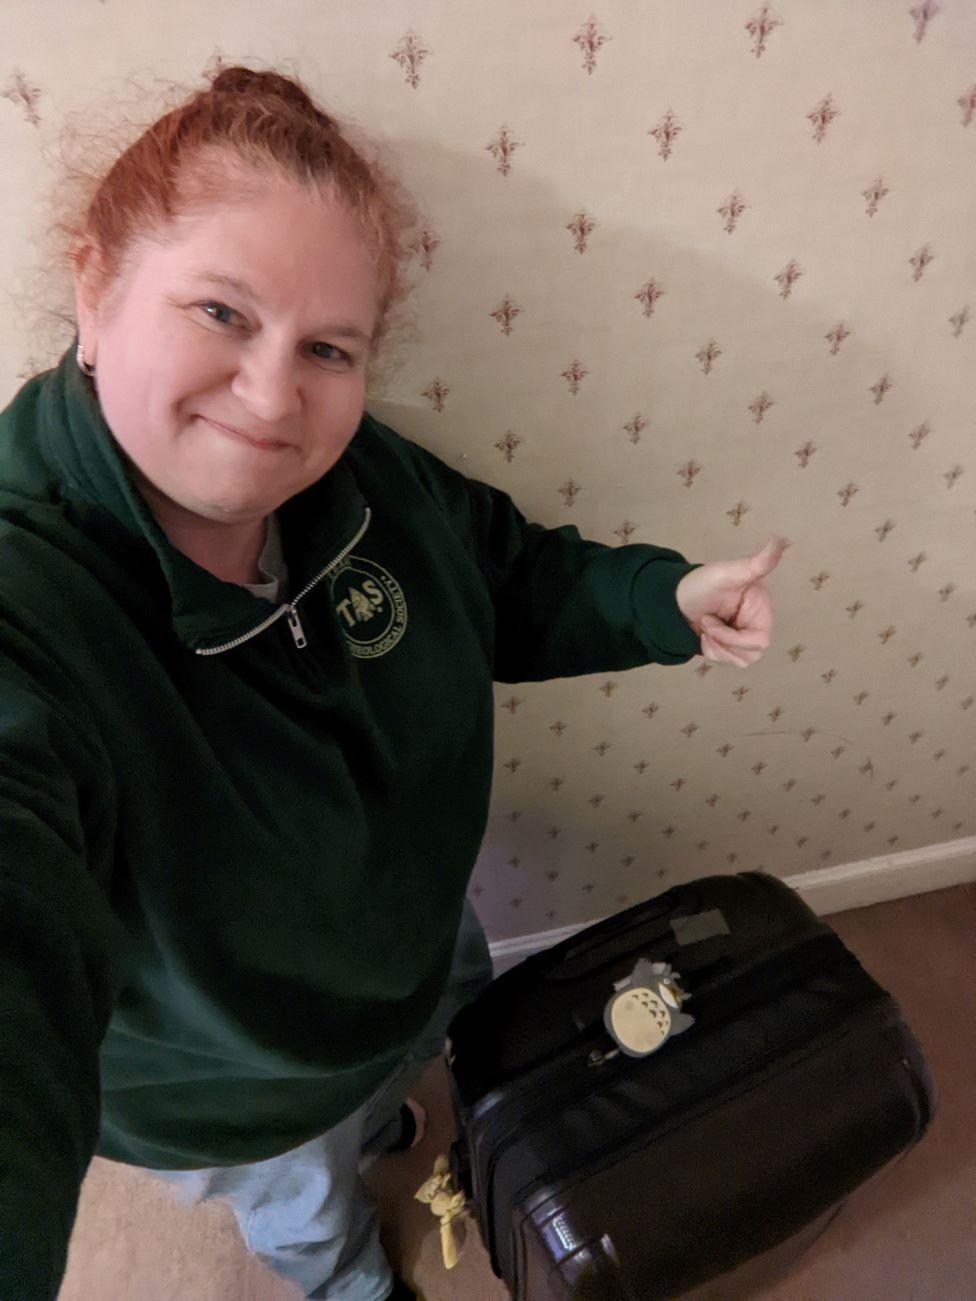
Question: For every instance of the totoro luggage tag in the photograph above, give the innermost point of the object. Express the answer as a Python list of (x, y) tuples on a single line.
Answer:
[(644, 1011)]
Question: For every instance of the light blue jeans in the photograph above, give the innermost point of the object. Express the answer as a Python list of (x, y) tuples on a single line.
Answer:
[(306, 1213)]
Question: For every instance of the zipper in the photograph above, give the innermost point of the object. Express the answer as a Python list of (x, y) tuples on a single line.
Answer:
[(297, 631), (289, 608)]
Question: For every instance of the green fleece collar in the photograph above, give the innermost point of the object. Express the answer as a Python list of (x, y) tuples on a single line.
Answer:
[(78, 446)]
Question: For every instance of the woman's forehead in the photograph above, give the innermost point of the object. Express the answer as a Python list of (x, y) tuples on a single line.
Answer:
[(275, 245), (278, 214)]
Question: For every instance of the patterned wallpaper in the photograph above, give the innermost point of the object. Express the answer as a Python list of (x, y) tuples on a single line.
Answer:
[(691, 273)]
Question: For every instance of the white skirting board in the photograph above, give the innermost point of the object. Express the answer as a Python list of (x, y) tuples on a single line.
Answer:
[(826, 890)]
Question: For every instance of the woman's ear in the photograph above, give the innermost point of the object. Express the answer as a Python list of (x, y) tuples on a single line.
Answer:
[(86, 303)]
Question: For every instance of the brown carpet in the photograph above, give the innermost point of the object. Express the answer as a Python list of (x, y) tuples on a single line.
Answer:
[(909, 1237)]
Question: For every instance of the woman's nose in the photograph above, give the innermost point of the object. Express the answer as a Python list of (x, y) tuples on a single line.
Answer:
[(267, 383)]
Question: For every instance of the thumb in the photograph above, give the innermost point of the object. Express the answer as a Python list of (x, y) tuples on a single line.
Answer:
[(766, 560)]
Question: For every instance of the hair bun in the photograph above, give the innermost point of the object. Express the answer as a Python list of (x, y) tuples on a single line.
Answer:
[(239, 80)]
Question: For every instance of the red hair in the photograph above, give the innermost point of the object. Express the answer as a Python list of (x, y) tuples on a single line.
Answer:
[(246, 125)]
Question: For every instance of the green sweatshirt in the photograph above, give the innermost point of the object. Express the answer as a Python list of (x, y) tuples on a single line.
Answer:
[(235, 838)]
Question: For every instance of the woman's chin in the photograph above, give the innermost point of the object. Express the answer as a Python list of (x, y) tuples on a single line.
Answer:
[(232, 509)]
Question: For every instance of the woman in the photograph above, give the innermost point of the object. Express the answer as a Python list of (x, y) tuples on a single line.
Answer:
[(247, 641)]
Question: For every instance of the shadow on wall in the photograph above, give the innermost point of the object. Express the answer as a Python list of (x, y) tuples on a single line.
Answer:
[(511, 245)]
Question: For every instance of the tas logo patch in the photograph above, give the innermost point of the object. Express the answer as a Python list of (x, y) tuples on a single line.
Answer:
[(370, 606)]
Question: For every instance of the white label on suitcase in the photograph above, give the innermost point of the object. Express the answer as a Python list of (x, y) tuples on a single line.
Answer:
[(699, 926)]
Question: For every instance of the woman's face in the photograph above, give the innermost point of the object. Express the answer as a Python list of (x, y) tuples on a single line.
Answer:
[(184, 357)]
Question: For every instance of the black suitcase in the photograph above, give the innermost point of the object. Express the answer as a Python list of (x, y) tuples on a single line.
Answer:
[(595, 1173)]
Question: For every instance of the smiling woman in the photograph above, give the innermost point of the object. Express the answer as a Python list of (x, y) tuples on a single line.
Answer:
[(248, 637)]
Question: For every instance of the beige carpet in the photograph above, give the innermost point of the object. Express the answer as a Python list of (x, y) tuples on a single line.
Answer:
[(909, 1237)]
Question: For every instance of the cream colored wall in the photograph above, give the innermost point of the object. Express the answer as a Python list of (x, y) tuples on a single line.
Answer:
[(834, 293)]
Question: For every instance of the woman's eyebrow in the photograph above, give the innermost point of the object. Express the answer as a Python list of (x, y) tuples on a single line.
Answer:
[(229, 282), (342, 328)]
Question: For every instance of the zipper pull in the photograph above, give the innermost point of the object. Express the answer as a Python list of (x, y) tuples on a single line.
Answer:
[(297, 631), (597, 1058)]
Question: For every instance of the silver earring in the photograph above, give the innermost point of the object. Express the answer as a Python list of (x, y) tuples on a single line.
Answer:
[(83, 365)]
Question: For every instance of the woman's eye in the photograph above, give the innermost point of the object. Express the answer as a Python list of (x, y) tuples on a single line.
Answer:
[(221, 314), (218, 307), (330, 352)]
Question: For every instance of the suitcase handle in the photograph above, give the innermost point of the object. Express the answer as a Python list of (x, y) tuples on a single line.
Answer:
[(573, 963)]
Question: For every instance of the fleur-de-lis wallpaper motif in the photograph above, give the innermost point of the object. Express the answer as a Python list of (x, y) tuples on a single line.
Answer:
[(874, 194), (503, 148), (836, 336), (667, 130), (437, 392), (760, 405), (822, 116), (648, 294), (570, 491), (881, 388), (738, 513), (635, 427), (410, 54), (591, 39), (574, 374), (424, 246), (760, 27), (690, 472), (581, 227), (923, 14), (21, 91), (788, 277), (732, 209), (959, 320), (708, 355), (804, 453), (508, 446), (920, 261), (505, 313), (715, 333)]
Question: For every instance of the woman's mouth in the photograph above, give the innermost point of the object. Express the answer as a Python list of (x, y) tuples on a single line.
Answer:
[(266, 444)]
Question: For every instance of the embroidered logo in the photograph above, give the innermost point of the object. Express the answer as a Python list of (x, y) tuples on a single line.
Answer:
[(370, 606)]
